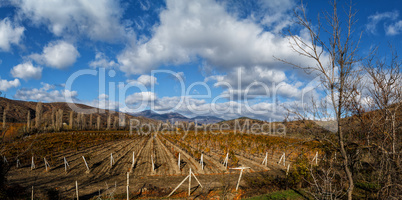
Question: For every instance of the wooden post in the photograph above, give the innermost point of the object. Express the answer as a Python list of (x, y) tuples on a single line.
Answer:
[(202, 161), (76, 189), (152, 160), (287, 171), (32, 164), (86, 164), (241, 173), (315, 158), (282, 158), (18, 163), (265, 161), (178, 161), (46, 164), (189, 183), (32, 194), (128, 183), (5, 160), (225, 162), (178, 186), (111, 160), (66, 165)]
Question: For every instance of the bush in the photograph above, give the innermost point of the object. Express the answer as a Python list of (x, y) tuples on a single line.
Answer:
[(300, 172)]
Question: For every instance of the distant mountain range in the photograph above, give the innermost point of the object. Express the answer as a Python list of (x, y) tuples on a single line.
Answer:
[(174, 117)]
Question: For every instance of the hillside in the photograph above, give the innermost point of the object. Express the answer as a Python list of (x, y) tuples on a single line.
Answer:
[(177, 117), (18, 111)]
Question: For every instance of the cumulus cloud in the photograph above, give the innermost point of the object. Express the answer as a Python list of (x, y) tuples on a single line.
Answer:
[(58, 54), (97, 21), (140, 97), (5, 84), (146, 80), (47, 93), (103, 96), (255, 82), (9, 34), (192, 29), (26, 71), (394, 29), (377, 18), (101, 60)]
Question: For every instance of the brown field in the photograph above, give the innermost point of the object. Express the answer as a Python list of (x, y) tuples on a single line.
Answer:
[(104, 179)]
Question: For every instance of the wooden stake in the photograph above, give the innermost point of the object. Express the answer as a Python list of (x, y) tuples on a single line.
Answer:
[(282, 158), (287, 171), (128, 183), (189, 183), (225, 162), (202, 161), (18, 163), (178, 161), (241, 173), (46, 164), (132, 165), (315, 158), (152, 160), (265, 159), (86, 164), (76, 188), (32, 164), (32, 194), (196, 179), (66, 165), (178, 186), (111, 160)]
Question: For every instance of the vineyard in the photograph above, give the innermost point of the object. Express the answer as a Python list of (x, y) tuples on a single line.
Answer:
[(99, 161)]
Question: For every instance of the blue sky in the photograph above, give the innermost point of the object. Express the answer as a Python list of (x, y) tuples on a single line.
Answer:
[(192, 57)]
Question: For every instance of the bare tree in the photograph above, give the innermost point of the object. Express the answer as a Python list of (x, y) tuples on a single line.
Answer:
[(71, 119), (115, 123), (38, 115), (84, 122), (29, 120), (5, 115), (109, 119), (90, 121), (386, 95), (59, 119), (53, 118), (98, 123), (335, 59)]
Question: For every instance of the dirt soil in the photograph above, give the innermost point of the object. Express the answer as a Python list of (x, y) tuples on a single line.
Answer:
[(104, 178)]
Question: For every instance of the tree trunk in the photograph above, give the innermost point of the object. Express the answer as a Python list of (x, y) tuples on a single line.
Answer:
[(98, 123), (29, 120), (71, 120), (90, 121), (38, 115)]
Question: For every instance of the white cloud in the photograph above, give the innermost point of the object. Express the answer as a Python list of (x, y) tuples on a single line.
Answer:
[(394, 29), (377, 18), (59, 54), (5, 84), (47, 93), (103, 96), (145, 80), (140, 97), (9, 34), (101, 60), (100, 20), (192, 29), (26, 71)]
